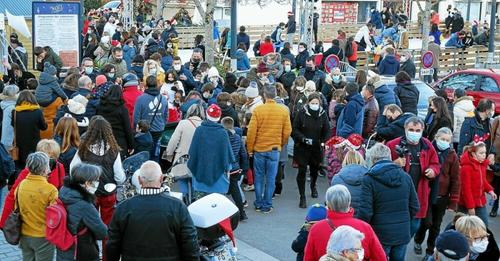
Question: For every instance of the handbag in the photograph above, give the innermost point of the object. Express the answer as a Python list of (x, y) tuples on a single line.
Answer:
[(12, 226), (14, 151)]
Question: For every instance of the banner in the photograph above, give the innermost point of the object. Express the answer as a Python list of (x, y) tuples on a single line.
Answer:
[(57, 24), (339, 12), (18, 23)]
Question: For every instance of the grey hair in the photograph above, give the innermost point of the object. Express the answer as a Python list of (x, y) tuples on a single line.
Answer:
[(83, 172), (443, 131), (10, 90), (83, 81), (338, 198), (150, 171), (196, 110), (414, 120), (344, 238), (442, 257), (38, 163), (269, 91), (377, 153)]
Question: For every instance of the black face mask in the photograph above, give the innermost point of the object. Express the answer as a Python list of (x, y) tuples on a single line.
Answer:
[(52, 164)]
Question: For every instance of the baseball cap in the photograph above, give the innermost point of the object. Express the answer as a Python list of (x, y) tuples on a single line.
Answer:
[(452, 244)]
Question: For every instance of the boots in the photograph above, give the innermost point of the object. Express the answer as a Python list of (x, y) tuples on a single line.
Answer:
[(314, 192), (302, 203)]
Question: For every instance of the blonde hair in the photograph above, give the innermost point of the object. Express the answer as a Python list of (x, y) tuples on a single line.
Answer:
[(470, 225), (50, 147), (145, 69), (353, 157)]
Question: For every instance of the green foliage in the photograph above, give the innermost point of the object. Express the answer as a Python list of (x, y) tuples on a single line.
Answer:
[(92, 4)]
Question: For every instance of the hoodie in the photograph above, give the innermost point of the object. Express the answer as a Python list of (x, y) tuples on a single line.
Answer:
[(351, 118), (389, 202), (351, 176), (147, 107), (242, 61), (48, 88), (389, 65)]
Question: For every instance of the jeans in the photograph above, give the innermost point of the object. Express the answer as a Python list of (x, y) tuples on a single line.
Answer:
[(414, 225), (437, 212), (481, 213), (395, 253), (156, 137), (265, 166), (36, 249), (289, 38)]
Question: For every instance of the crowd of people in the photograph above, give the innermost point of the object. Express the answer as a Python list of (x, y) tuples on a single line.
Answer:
[(69, 135)]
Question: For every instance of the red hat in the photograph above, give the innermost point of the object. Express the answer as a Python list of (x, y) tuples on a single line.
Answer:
[(100, 79), (262, 68), (355, 141), (115, 43), (214, 112), (336, 142)]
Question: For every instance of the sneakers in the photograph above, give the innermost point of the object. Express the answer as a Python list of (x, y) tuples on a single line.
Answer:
[(248, 188), (418, 249), (243, 216), (267, 210), (245, 204)]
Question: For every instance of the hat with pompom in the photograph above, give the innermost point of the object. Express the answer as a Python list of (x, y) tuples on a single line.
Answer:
[(213, 113)]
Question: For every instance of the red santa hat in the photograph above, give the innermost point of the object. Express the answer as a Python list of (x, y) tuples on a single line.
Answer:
[(336, 142), (355, 141), (213, 113)]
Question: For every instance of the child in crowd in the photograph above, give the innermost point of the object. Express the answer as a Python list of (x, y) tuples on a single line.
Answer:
[(32, 84), (336, 106), (249, 174), (48, 89), (316, 212), (143, 141)]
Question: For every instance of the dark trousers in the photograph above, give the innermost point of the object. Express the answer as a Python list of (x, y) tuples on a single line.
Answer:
[(433, 224), (156, 136), (279, 178), (301, 177), (496, 185), (353, 63), (234, 190)]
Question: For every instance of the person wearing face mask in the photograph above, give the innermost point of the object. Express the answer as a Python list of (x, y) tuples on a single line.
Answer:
[(407, 93), (351, 118), (312, 73), (110, 26), (210, 93), (392, 125), (344, 245), (479, 125), (437, 117), (168, 31), (78, 196), (300, 60), (445, 191), (273, 64), (298, 99), (481, 241), (185, 76), (118, 32), (407, 64), (129, 52), (450, 246), (196, 59), (419, 159), (335, 81), (309, 131), (117, 60), (102, 52), (227, 109), (288, 76)]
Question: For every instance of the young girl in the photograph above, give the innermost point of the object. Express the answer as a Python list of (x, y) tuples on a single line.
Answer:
[(336, 106), (315, 213)]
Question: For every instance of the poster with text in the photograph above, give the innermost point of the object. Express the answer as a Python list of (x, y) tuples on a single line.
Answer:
[(339, 12), (56, 24)]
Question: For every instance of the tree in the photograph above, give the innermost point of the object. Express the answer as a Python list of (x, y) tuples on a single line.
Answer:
[(426, 10), (91, 4), (209, 29)]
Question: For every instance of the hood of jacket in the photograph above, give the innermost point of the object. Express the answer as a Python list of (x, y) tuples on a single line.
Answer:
[(353, 174), (239, 54), (465, 103), (46, 78), (409, 87), (387, 173), (76, 107), (467, 160), (390, 59), (6, 103), (356, 98), (69, 195)]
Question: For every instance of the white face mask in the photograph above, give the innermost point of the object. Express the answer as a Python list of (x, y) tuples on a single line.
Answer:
[(314, 107), (92, 188), (361, 254), (300, 88), (301, 49), (479, 247), (105, 39), (177, 67), (288, 68)]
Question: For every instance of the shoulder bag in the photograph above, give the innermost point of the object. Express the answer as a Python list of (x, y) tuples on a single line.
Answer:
[(12, 226)]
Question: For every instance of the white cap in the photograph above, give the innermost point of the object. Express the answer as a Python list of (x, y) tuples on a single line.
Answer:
[(213, 72)]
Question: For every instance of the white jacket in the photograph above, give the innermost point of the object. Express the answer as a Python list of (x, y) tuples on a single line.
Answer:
[(462, 108), (181, 139), (364, 32)]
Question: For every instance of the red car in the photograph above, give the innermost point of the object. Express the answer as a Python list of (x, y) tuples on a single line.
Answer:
[(478, 83)]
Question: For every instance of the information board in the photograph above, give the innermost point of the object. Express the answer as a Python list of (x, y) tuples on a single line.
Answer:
[(57, 24), (339, 12)]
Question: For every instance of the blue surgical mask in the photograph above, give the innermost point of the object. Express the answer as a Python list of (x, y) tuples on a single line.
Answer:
[(89, 70), (442, 145), (413, 137), (336, 78)]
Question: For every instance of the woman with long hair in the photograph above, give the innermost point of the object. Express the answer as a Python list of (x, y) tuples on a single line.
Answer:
[(91, 45), (152, 68), (99, 147), (68, 137), (438, 117), (112, 108)]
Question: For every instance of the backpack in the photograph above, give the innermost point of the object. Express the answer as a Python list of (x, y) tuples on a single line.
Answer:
[(56, 231), (7, 167), (348, 49)]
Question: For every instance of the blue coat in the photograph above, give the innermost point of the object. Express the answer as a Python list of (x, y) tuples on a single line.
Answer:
[(242, 61), (166, 62), (351, 118), (128, 55), (454, 41), (389, 202), (189, 83), (385, 96), (243, 38), (470, 127), (239, 152), (389, 65), (351, 176), (394, 129), (376, 19)]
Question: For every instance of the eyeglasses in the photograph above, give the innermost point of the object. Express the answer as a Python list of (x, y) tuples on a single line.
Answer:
[(479, 238)]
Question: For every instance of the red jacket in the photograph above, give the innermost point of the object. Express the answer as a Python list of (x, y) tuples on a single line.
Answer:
[(354, 55), (130, 95), (428, 160), (319, 234), (266, 48), (56, 178), (474, 183)]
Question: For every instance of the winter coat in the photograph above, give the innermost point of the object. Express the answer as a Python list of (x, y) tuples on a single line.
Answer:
[(143, 142), (449, 178), (389, 130), (474, 184), (130, 95), (27, 123), (313, 125), (147, 108), (48, 89), (351, 117), (473, 126), (462, 108), (287, 80), (7, 107), (351, 176), (457, 24), (482, 39), (286, 53), (333, 50), (242, 61), (300, 60), (21, 57), (265, 48), (166, 62), (82, 214), (376, 19), (408, 95), (180, 141), (189, 84), (437, 36), (239, 152), (389, 202), (384, 96), (128, 55), (228, 111), (120, 66), (428, 160), (495, 137), (243, 38), (118, 118), (77, 111), (157, 218), (454, 41), (291, 25), (409, 67), (389, 65), (319, 234), (299, 243), (67, 156), (370, 117), (319, 79), (434, 125), (51, 58), (138, 69)]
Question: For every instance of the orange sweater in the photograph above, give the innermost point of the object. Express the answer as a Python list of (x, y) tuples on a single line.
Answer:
[(269, 127)]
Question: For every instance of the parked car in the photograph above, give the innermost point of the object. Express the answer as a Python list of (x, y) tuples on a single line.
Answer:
[(113, 5), (478, 83)]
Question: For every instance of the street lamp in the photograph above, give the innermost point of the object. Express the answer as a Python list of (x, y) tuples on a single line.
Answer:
[(234, 21)]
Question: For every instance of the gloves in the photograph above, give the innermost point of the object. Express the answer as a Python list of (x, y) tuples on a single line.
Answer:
[(307, 141)]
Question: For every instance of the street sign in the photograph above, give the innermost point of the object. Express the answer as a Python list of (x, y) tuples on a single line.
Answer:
[(331, 62), (427, 59), (426, 71)]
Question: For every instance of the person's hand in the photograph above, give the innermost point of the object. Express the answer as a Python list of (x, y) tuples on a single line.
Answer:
[(182, 77), (471, 212), (308, 141), (401, 162), (130, 151), (450, 210), (429, 173), (491, 158), (493, 195)]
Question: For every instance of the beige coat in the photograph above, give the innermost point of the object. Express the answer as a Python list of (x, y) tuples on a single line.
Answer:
[(462, 108)]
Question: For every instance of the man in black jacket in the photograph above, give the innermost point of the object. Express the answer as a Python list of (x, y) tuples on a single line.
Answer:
[(393, 123), (152, 225), (335, 49)]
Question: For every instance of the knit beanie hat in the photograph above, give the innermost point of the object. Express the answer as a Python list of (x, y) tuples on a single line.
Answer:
[(212, 72), (262, 68), (49, 68), (130, 79), (252, 91), (310, 86), (213, 113), (100, 79), (316, 212)]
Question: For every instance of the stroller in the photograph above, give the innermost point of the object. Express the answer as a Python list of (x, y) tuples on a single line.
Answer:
[(215, 218), (130, 166)]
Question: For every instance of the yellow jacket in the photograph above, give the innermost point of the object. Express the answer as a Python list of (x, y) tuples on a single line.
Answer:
[(160, 79), (35, 194), (269, 127)]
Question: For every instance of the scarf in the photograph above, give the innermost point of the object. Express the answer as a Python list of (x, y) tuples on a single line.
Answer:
[(26, 106), (154, 191)]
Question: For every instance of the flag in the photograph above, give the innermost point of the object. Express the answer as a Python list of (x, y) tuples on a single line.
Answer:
[(18, 23)]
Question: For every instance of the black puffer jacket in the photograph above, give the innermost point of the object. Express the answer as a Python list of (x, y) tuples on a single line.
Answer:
[(152, 227), (408, 96), (81, 214)]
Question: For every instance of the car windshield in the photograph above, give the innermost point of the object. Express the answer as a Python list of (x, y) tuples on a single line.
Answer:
[(113, 4)]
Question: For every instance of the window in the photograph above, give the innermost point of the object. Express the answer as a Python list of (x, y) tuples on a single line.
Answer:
[(488, 85), (461, 81)]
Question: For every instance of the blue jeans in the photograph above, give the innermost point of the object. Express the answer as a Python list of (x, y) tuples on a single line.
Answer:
[(265, 165), (414, 226), (395, 253)]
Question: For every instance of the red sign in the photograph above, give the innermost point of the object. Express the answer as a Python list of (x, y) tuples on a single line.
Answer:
[(331, 62), (339, 12), (427, 59)]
